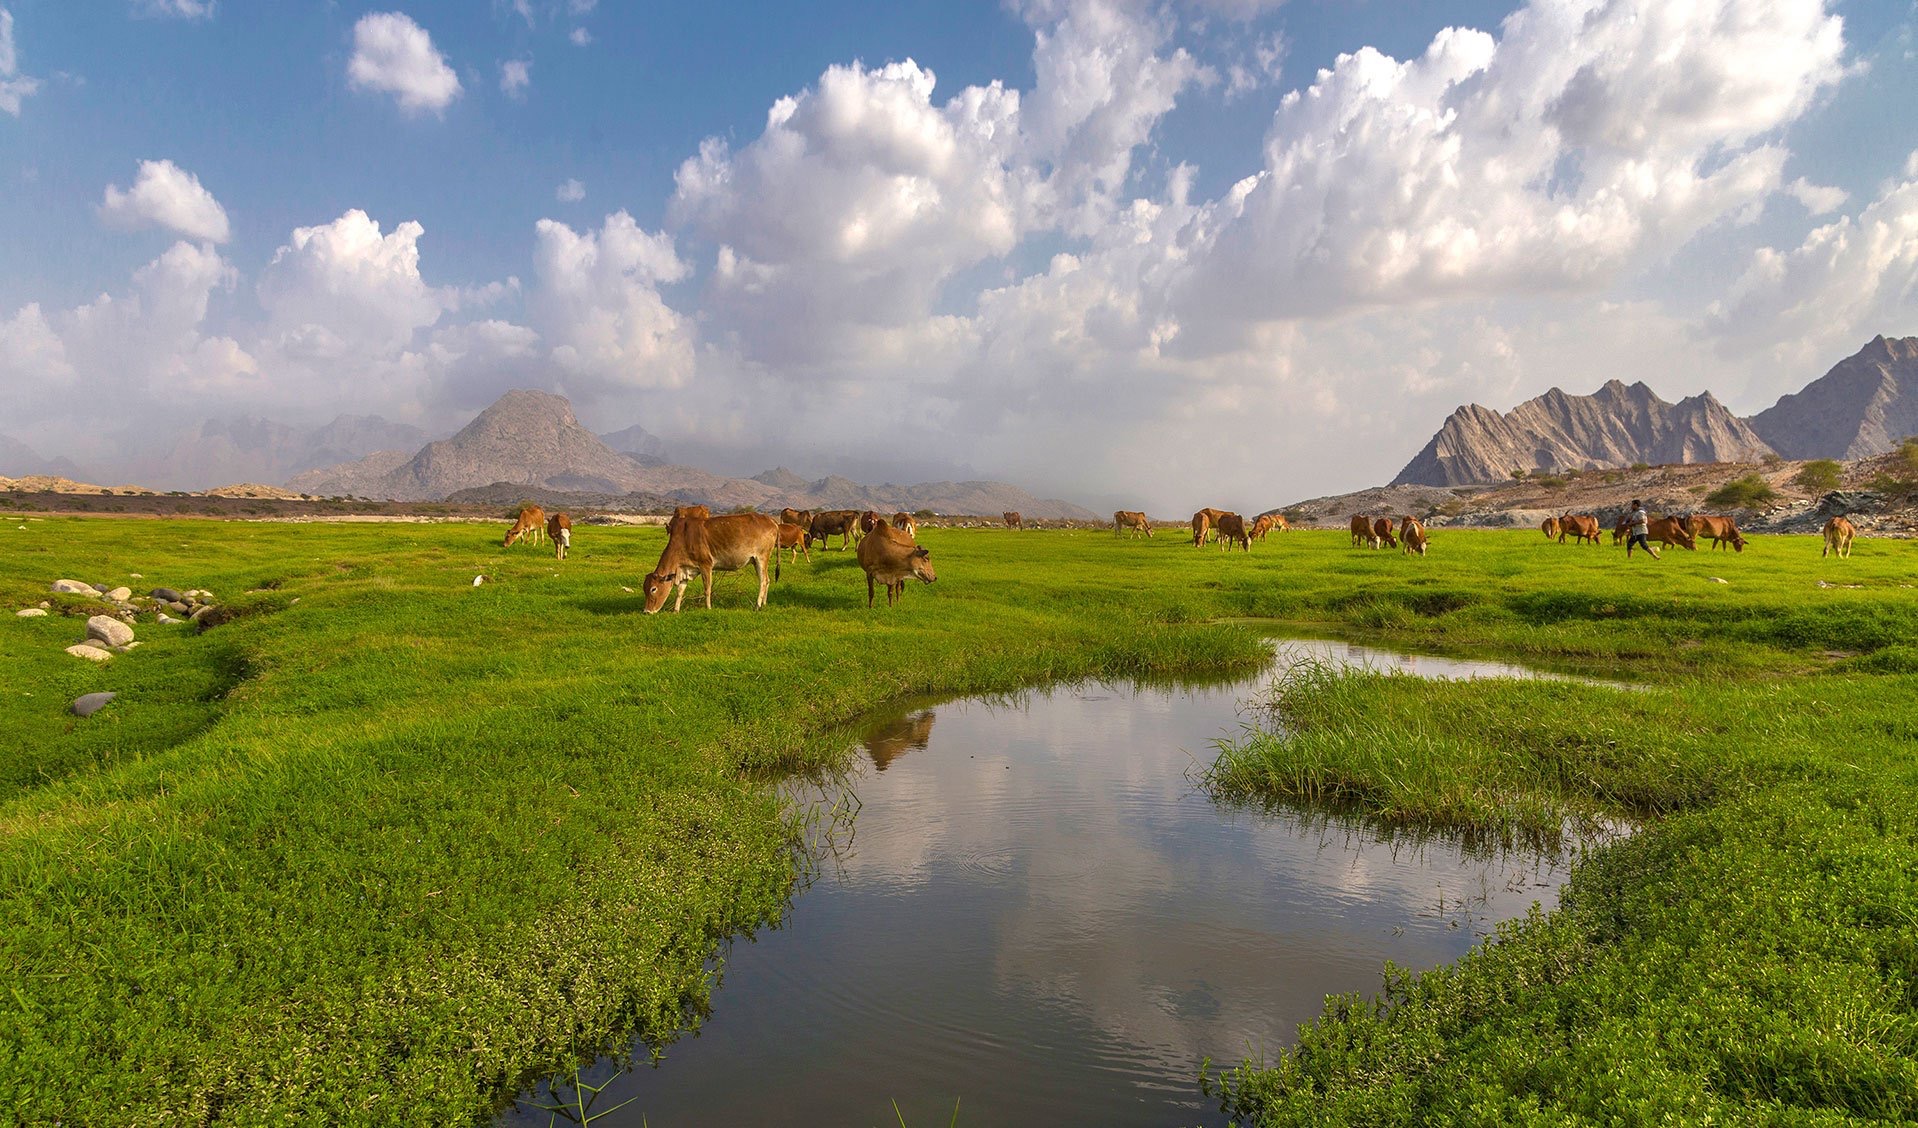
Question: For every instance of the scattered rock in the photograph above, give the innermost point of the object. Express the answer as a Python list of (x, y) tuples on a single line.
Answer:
[(73, 587), (135, 576), (120, 594), (126, 647), (30, 612), (166, 595), (179, 607), (109, 630), (1717, 580), (199, 613), (99, 589), (166, 618), (89, 704), (90, 653)]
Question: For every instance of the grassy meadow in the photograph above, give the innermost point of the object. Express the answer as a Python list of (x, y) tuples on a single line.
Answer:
[(388, 846)]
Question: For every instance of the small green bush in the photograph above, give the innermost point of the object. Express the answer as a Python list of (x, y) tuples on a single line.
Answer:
[(1820, 476), (1748, 492)]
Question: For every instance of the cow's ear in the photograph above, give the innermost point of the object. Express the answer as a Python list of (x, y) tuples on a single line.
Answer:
[(921, 552)]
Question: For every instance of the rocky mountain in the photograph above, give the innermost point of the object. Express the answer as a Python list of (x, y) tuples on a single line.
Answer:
[(1861, 408), (19, 460), (247, 448), (532, 440), (1618, 425), (636, 442)]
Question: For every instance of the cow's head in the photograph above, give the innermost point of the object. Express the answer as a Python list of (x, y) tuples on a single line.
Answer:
[(1738, 541), (511, 535), (921, 562), (656, 587)]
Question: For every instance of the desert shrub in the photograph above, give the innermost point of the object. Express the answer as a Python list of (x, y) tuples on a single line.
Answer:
[(1772, 458), (1636, 466), (1819, 476), (1551, 481), (1748, 492)]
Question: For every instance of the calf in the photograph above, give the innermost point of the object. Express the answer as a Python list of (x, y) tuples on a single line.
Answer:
[(793, 537), (702, 545), (891, 558), (560, 528), (1413, 534), (1382, 533), (1839, 532), (1550, 528), (530, 526), (1124, 519)]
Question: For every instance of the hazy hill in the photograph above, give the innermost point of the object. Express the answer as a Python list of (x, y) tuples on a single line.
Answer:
[(1618, 425), (19, 460), (1861, 408), (246, 448)]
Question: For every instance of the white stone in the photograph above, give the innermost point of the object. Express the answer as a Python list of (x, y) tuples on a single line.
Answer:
[(166, 618), (30, 612), (73, 587), (109, 630), (120, 594), (90, 653)]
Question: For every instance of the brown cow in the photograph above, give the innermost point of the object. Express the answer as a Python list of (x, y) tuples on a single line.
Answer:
[(1362, 531), (686, 512), (1261, 527), (1580, 527), (560, 528), (1621, 530), (1839, 532), (891, 558), (1232, 531), (1670, 531), (1382, 533), (1550, 528), (1124, 519), (530, 526), (1013, 520), (833, 523), (907, 524), (794, 537), (702, 545), (1719, 530), (867, 521), (800, 517), (1211, 518), (1413, 534), (1201, 527)]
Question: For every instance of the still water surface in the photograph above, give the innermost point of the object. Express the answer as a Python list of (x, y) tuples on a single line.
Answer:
[(1036, 913)]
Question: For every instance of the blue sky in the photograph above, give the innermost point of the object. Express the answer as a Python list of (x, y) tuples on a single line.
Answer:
[(1232, 233)]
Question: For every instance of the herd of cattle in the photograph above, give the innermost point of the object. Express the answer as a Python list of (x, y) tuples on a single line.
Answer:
[(699, 544)]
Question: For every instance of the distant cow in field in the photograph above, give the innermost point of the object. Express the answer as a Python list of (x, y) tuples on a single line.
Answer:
[(560, 528), (1622, 530), (833, 523), (1719, 530), (1201, 527), (1413, 534), (1550, 528), (530, 527), (1130, 519), (1013, 520), (867, 522), (907, 524), (1382, 533), (1839, 532), (1580, 527), (890, 557), (699, 546), (1232, 531), (685, 513), (1362, 531), (1670, 531), (794, 537), (1261, 527), (800, 517)]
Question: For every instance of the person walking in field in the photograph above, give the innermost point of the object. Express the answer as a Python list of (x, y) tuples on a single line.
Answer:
[(1639, 520)]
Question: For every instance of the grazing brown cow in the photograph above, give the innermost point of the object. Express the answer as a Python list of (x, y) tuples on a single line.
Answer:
[(800, 517), (1413, 534), (1670, 531), (833, 523), (1280, 523), (1013, 520), (1382, 533), (702, 545), (1362, 531), (890, 557), (1211, 519), (1232, 531), (1839, 532), (1580, 527), (1130, 519), (560, 528), (1201, 527), (1261, 527), (794, 537), (530, 526), (1621, 530), (1550, 528), (1719, 530)]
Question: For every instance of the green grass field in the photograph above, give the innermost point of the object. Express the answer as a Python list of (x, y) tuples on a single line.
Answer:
[(386, 853)]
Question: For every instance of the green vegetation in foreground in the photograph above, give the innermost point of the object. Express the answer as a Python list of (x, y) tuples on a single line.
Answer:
[(1749, 956), (391, 851)]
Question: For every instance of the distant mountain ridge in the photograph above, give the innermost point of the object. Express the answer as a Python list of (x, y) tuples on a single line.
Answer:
[(533, 440), (1858, 409), (246, 448)]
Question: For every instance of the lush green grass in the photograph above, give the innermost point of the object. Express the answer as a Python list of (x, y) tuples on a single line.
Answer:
[(385, 853)]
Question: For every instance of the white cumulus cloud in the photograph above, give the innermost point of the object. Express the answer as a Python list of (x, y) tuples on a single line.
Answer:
[(175, 9), (595, 302), (14, 86), (1818, 199), (166, 195), (393, 55), (515, 75), (570, 192), (346, 289)]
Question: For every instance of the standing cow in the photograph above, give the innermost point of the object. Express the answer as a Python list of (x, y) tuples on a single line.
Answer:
[(1839, 532), (1669, 531), (530, 526), (1719, 530), (699, 546), (1582, 527), (833, 523), (1232, 531), (1550, 528), (1130, 519), (559, 527), (1382, 533), (1413, 534), (891, 558), (1362, 531), (1013, 520)]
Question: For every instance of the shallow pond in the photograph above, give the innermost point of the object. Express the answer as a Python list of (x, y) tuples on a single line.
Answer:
[(1036, 913)]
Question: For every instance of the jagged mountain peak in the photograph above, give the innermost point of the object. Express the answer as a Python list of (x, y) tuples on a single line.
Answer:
[(1862, 407)]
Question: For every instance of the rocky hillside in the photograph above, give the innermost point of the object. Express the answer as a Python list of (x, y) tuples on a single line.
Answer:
[(529, 444), (1861, 408), (1618, 425)]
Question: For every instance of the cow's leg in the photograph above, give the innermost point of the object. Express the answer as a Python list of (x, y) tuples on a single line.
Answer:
[(870, 592), (759, 562), (679, 596), (706, 585)]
